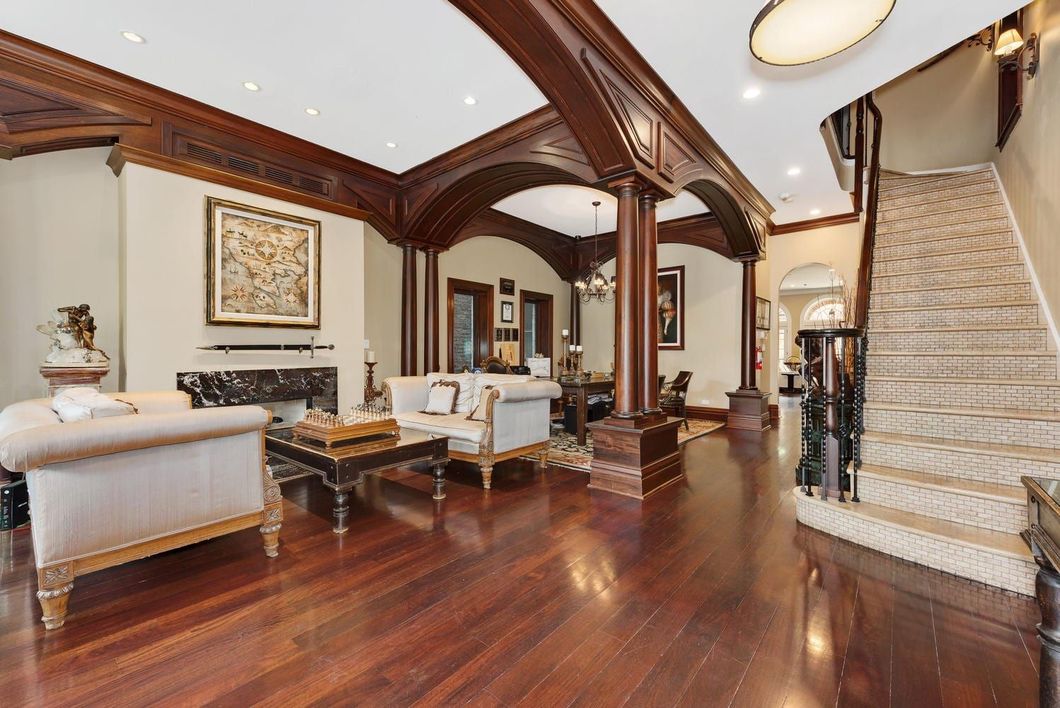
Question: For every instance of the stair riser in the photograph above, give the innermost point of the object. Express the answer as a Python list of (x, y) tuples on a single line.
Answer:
[(1011, 367), (972, 204), (965, 226), (955, 317), (963, 395), (938, 341), (938, 195), (965, 428), (942, 504), (953, 296), (920, 183), (954, 243), (952, 260), (978, 215), (989, 273), (1014, 574), (972, 466)]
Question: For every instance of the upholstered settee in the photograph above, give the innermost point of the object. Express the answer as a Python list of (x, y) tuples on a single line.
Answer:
[(110, 490), (515, 422)]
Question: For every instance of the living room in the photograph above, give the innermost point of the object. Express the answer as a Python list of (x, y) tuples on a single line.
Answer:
[(481, 379)]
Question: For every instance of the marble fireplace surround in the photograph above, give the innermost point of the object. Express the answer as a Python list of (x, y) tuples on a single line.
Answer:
[(317, 386)]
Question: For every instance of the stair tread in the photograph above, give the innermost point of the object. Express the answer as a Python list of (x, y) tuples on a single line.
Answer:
[(960, 328), (954, 252), (921, 227), (1021, 452), (1050, 383), (948, 269), (951, 286), (966, 352), (936, 212), (996, 542), (957, 306), (976, 183), (958, 410), (955, 485), (940, 237)]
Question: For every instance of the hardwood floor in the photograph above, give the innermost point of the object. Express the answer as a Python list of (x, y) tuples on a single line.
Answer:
[(538, 593)]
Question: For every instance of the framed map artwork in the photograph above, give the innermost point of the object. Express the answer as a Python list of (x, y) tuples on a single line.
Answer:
[(262, 267)]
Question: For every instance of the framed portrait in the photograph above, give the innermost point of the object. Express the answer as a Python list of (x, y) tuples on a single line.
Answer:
[(507, 286), (262, 267), (762, 312), (672, 308), (507, 311)]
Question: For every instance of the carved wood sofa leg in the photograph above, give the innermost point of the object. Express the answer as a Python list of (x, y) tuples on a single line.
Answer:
[(54, 586), (271, 536), (542, 457), (487, 477)]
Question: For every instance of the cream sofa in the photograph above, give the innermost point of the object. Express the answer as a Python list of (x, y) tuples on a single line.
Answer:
[(516, 421), (107, 491)]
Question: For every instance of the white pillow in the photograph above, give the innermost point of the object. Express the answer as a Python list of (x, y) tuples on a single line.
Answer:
[(83, 403), (465, 396), (484, 380), (441, 398)]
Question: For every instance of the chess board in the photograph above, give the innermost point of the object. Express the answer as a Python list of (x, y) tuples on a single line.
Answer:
[(333, 429)]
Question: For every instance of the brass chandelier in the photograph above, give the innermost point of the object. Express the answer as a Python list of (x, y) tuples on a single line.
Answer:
[(594, 286)]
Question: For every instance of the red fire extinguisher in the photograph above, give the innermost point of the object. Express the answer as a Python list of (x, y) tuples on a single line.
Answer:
[(758, 358)]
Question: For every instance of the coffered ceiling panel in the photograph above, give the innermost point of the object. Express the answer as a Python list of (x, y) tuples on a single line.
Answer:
[(377, 72)]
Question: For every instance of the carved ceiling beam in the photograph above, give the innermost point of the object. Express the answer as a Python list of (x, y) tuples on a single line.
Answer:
[(702, 230), (554, 248)]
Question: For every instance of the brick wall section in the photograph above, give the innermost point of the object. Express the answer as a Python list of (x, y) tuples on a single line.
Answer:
[(973, 428), (972, 465), (967, 295), (1004, 254), (915, 185), (900, 221), (932, 340), (951, 394), (1010, 314), (928, 278), (941, 194), (1034, 366), (921, 246), (996, 514), (960, 228), (932, 206)]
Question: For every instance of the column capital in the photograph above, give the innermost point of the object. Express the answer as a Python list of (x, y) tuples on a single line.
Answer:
[(433, 250)]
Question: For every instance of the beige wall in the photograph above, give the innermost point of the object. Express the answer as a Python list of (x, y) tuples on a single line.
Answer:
[(1030, 163), (58, 246), (712, 325), (382, 302), (942, 117), (836, 246)]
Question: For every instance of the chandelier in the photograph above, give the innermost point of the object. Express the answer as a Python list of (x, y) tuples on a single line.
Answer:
[(593, 285)]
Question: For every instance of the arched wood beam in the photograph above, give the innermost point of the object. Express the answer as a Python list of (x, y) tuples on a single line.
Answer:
[(702, 230), (744, 230), (624, 116), (554, 248)]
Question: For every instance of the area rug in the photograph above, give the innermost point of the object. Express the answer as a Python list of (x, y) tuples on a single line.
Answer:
[(565, 451)]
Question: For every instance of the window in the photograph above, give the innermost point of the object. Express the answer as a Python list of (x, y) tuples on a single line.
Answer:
[(827, 312), (782, 333)]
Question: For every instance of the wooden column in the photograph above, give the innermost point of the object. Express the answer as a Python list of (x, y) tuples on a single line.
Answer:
[(635, 454), (627, 281), (747, 328), (748, 407), (648, 319), (408, 310), (430, 312), (575, 316)]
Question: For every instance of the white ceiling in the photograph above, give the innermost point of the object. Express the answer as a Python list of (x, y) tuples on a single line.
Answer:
[(376, 71), (569, 209), (700, 48), (812, 276)]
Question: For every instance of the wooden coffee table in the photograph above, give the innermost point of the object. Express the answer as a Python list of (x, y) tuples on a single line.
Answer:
[(343, 467)]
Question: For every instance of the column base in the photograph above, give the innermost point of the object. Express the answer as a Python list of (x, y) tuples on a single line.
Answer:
[(635, 461), (748, 410)]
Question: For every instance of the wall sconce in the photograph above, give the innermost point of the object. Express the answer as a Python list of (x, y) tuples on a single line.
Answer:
[(1010, 47)]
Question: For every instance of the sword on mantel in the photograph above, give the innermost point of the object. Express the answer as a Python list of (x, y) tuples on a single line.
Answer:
[(311, 347)]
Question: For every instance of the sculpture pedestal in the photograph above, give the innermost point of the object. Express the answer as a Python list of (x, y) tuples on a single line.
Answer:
[(60, 376), (748, 410), (634, 457)]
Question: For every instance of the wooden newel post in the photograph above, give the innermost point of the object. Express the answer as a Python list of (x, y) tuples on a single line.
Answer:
[(830, 481), (430, 312), (408, 310)]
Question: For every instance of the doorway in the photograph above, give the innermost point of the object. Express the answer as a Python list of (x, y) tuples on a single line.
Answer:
[(536, 311), (470, 307)]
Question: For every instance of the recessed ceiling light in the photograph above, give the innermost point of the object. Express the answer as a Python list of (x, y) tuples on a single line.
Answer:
[(814, 212), (391, 145), (752, 92), (312, 111), (794, 171), (133, 37), (251, 86), (786, 197), (470, 100)]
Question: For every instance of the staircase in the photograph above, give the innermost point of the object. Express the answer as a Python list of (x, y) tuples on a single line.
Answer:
[(962, 395)]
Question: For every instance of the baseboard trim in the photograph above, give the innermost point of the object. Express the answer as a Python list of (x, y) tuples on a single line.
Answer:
[(707, 413)]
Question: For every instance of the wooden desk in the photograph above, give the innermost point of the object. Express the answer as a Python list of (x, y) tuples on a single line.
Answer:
[(580, 390), (343, 467)]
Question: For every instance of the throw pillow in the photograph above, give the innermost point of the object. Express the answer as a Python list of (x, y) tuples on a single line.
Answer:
[(465, 396), (480, 410), (74, 404), (441, 399)]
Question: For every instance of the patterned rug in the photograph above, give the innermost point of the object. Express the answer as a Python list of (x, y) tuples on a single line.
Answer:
[(565, 451)]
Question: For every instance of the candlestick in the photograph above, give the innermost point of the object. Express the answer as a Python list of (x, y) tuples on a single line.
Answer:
[(370, 391)]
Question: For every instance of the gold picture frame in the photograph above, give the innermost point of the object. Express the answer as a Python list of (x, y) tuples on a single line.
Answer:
[(262, 267)]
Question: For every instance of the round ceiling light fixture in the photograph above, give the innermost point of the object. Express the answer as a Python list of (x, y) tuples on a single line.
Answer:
[(133, 37), (793, 32)]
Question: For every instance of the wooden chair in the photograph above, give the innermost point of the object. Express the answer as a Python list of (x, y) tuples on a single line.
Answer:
[(495, 365), (675, 394)]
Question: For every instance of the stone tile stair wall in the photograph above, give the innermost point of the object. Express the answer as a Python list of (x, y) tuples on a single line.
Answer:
[(962, 392)]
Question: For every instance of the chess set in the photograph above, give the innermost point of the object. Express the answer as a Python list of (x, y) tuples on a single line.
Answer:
[(332, 428)]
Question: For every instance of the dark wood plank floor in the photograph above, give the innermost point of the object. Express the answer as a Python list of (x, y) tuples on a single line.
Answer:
[(539, 593)]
